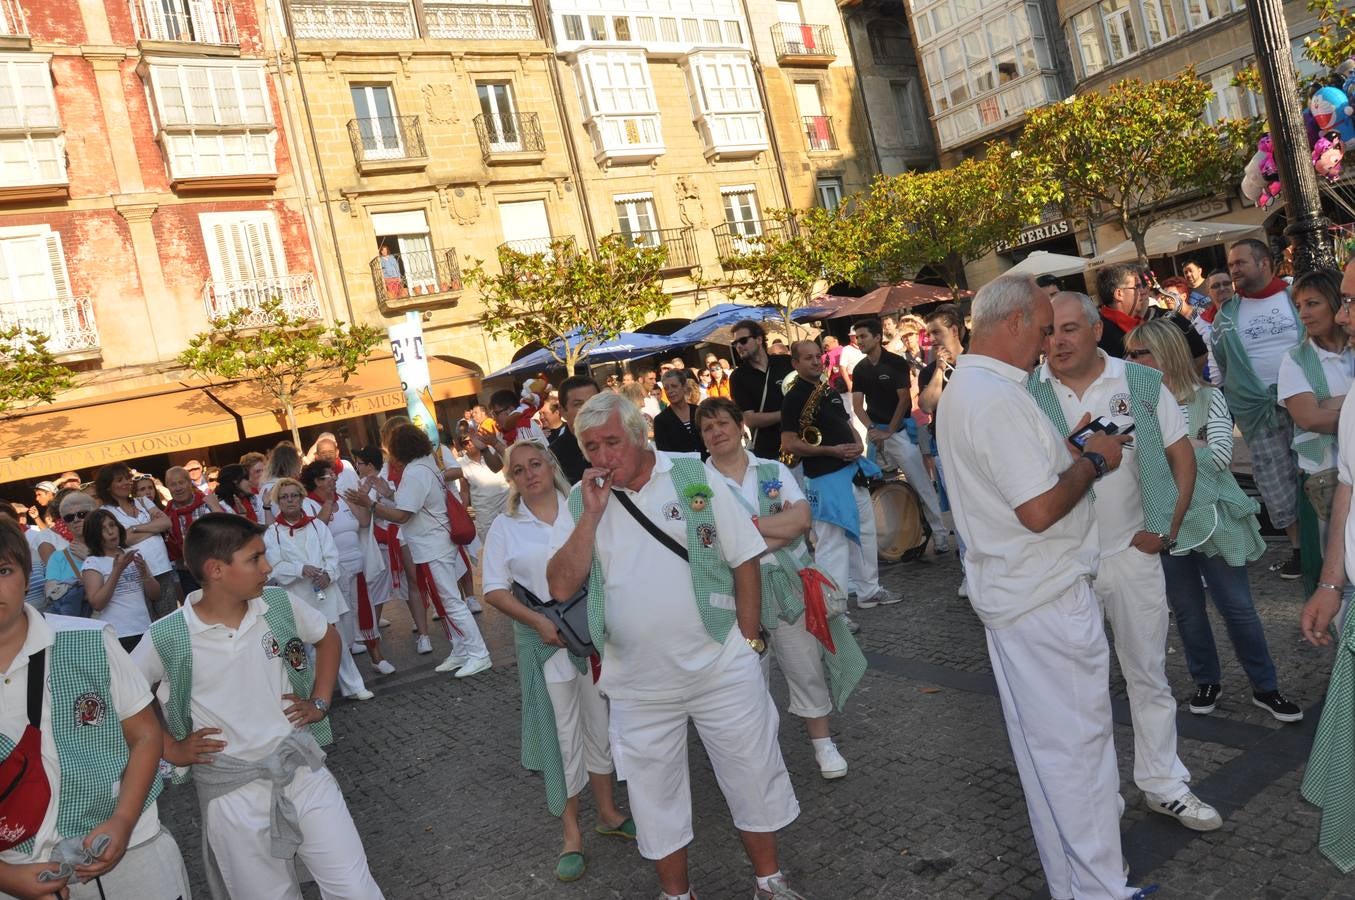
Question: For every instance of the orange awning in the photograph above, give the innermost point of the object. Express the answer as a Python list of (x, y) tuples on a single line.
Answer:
[(91, 433)]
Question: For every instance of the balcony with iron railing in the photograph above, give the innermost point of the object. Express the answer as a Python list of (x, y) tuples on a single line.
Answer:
[(746, 237), (499, 20), (387, 143), (800, 44), (67, 322), (678, 245), (297, 293), (417, 278), (13, 25), (514, 138), (381, 20), (201, 22), (819, 133)]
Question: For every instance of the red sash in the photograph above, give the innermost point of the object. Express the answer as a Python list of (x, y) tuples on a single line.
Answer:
[(179, 520), (429, 586), (25, 793)]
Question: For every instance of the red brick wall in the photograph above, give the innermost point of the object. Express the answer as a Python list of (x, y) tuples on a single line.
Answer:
[(89, 158), (57, 21)]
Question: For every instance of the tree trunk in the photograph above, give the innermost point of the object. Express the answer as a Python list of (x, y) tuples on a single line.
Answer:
[(290, 413)]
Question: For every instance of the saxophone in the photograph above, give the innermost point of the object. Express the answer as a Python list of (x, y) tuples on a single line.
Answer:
[(809, 432)]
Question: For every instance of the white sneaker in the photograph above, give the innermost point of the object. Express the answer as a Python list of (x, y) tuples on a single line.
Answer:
[(363, 694), (423, 644), (474, 605), (882, 598), (383, 622), (1187, 809), (940, 542), (852, 626), (384, 667), (964, 589), (451, 663), (357, 648), (474, 667), (831, 763)]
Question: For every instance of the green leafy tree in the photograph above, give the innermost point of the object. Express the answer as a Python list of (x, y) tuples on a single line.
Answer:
[(1128, 151), (571, 300), (1333, 41), (794, 259), (281, 352), (950, 217), (29, 373)]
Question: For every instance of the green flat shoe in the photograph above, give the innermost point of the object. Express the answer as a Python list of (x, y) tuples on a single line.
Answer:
[(570, 866), (625, 830)]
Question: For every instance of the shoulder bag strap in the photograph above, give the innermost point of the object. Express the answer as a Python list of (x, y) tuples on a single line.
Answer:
[(765, 383), (659, 534)]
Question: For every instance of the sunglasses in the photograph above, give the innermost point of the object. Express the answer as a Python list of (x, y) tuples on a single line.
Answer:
[(1137, 354), (739, 342), (75, 516)]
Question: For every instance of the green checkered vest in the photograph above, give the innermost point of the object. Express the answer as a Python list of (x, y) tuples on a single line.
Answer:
[(90, 748), (710, 573), (1155, 476), (1312, 445), (172, 642)]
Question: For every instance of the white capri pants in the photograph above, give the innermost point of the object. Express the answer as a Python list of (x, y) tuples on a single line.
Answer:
[(581, 725), (800, 656), (737, 722), (846, 562), (238, 827)]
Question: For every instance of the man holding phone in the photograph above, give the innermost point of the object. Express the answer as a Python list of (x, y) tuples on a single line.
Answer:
[(1139, 512), (1019, 495)]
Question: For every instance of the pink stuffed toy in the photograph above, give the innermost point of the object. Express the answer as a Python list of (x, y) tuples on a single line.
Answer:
[(1328, 153), (1269, 171)]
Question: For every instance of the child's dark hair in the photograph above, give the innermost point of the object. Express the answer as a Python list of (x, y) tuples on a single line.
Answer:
[(94, 533), (372, 456), (216, 536), (14, 548)]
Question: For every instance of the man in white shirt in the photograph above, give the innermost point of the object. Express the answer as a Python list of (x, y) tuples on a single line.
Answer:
[(1020, 501), (1078, 380), (678, 640), (1252, 333)]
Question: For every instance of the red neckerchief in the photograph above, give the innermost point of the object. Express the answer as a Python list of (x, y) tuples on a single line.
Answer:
[(314, 496), (179, 520), (1126, 323), (338, 465), (293, 526), (1276, 286), (61, 528), (246, 509), (23, 526), (395, 470), (1209, 314)]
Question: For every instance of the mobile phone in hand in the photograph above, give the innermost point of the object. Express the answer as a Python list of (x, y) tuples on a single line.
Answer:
[(1099, 425)]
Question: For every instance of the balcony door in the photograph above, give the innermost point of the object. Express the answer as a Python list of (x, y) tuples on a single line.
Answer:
[(378, 124), (244, 254), (180, 20), (526, 228), (405, 236), (635, 213), (35, 289), (741, 214), (501, 120)]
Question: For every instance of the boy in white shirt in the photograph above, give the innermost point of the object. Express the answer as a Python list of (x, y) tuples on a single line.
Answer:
[(242, 702)]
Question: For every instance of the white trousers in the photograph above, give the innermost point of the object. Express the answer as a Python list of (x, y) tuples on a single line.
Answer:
[(350, 679), (458, 621), (1052, 668), (581, 725), (238, 827), (153, 870), (845, 561), (903, 453), (737, 722), (857, 425), (1133, 592), (800, 656)]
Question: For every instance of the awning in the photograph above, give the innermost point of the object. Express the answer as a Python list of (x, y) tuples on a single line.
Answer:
[(1174, 236), (1041, 262), (91, 433)]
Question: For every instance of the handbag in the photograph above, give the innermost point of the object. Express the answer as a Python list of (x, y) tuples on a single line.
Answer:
[(460, 526), (570, 617), (1320, 488)]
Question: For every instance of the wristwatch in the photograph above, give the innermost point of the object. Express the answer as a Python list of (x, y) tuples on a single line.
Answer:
[(1169, 543), (1098, 462), (322, 705), (758, 644)]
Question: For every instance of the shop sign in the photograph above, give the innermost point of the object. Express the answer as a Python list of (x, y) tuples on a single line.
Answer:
[(1036, 234)]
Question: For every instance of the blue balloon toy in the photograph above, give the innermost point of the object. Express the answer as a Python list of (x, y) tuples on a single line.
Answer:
[(1331, 109)]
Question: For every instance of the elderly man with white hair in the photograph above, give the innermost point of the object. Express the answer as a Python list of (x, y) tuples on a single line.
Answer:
[(1020, 500), (671, 561)]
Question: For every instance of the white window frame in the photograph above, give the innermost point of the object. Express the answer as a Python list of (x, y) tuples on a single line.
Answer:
[(203, 147), (382, 133), (1088, 32), (631, 210), (1121, 23), (32, 146), (264, 259), (744, 215), (57, 285), (601, 91), (501, 139), (724, 83), (829, 191)]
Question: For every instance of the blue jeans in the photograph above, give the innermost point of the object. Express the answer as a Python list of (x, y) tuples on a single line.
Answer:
[(1231, 592)]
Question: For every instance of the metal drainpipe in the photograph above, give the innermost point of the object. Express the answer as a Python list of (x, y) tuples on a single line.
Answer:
[(315, 150), (546, 27), (766, 107)]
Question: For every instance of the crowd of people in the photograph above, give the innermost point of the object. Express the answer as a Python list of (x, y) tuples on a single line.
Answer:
[(1085, 446)]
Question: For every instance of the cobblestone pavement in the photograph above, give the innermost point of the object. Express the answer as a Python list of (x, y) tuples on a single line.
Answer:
[(932, 807)]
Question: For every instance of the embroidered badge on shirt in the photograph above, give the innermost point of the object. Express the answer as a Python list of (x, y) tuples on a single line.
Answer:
[(89, 709), (271, 650), (672, 511), (1119, 405), (774, 507), (706, 533), (295, 654)]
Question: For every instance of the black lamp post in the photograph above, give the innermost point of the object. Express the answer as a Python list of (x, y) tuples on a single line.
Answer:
[(1307, 228)]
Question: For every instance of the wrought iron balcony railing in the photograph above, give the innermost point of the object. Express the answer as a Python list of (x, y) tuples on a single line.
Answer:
[(68, 322), (819, 132), (386, 139), (797, 42), (503, 20), (381, 20), (191, 21), (415, 274), (678, 245), (746, 237), (505, 138), (297, 292)]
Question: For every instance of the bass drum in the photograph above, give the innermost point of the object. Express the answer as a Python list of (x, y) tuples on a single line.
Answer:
[(901, 530)]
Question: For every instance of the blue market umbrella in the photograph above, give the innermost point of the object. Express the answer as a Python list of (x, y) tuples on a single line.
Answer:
[(722, 316), (624, 346)]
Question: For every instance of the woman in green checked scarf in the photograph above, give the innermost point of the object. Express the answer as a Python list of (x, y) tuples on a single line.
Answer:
[(564, 718)]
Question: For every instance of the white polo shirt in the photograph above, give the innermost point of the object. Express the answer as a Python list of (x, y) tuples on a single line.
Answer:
[(238, 676), (657, 647), (1345, 445), (787, 492), (1119, 496), (421, 492), (999, 451), (152, 549), (129, 695), (1337, 368), (517, 549), (488, 490)]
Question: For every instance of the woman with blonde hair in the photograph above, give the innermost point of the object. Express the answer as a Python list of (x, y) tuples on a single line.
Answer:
[(1233, 540), (559, 696)]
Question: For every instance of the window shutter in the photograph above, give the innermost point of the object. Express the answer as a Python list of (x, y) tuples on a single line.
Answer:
[(56, 263)]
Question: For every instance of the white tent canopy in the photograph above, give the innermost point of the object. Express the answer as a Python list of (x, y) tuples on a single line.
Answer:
[(1042, 262), (1174, 236)]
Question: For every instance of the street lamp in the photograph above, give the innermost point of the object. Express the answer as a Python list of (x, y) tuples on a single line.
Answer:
[(1307, 227)]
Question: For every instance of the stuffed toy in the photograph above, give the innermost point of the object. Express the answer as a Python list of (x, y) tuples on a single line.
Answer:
[(1328, 153), (1332, 111), (1253, 182), (1265, 157)]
